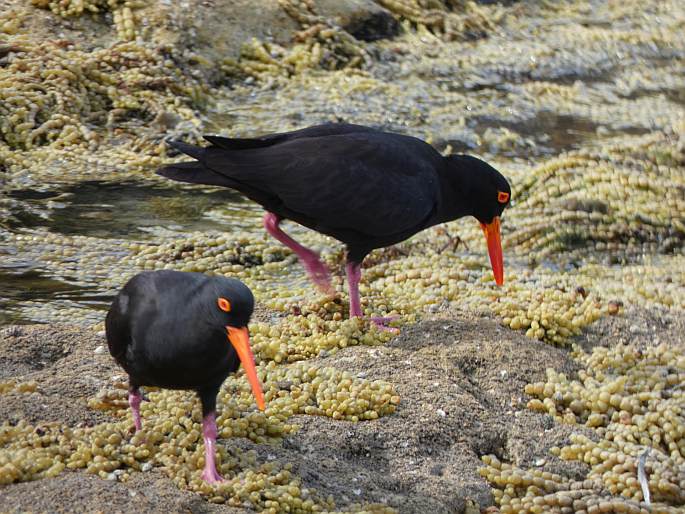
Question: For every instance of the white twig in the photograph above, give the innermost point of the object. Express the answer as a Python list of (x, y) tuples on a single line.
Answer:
[(642, 477)]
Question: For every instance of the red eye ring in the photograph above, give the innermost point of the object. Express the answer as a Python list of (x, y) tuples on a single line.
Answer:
[(224, 304), (502, 197)]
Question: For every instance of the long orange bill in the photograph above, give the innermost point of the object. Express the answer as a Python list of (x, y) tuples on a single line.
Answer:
[(491, 231), (240, 339)]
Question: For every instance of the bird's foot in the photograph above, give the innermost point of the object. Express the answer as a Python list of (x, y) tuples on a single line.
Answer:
[(318, 272), (381, 323), (453, 242), (211, 476), (138, 437)]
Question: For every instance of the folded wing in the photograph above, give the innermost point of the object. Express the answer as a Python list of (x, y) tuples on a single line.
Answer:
[(373, 183)]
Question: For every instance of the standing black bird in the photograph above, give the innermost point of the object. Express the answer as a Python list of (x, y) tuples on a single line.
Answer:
[(364, 187), (172, 329)]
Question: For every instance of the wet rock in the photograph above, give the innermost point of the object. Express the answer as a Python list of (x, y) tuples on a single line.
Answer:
[(261, 19), (575, 204), (364, 19)]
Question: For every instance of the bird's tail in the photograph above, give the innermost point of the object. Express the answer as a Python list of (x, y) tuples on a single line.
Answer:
[(193, 172), (195, 152)]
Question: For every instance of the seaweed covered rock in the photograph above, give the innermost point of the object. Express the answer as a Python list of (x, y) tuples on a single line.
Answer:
[(59, 93), (622, 201), (632, 400)]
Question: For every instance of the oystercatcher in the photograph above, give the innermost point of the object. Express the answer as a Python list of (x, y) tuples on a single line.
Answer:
[(364, 187), (183, 331)]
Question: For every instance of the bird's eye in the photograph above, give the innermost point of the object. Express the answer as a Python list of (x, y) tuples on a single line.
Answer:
[(502, 197), (224, 304)]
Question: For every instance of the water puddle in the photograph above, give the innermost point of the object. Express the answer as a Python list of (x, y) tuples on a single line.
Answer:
[(551, 132), (20, 282), (132, 210), (675, 95)]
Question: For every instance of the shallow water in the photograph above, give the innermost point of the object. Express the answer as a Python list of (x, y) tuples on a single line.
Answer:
[(128, 210), (131, 210), (23, 283)]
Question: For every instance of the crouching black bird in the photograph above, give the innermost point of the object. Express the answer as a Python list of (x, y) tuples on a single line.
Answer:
[(364, 187), (183, 331)]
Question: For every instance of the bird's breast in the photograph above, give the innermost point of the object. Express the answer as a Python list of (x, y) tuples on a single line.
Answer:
[(183, 363)]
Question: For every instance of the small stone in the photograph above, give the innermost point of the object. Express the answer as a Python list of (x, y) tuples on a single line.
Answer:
[(471, 507), (613, 307)]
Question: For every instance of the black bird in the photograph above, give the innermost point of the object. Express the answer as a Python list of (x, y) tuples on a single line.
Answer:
[(362, 186), (172, 329)]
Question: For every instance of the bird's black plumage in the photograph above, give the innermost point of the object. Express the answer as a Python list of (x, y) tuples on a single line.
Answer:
[(165, 329), (362, 186), (182, 331)]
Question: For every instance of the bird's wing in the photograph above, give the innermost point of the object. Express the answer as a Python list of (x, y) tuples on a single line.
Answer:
[(117, 327), (327, 129), (128, 320), (372, 183)]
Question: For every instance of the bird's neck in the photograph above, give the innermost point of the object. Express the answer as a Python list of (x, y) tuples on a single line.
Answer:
[(454, 200)]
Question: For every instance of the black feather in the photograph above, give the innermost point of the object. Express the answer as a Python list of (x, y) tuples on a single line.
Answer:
[(194, 173), (239, 143), (194, 151)]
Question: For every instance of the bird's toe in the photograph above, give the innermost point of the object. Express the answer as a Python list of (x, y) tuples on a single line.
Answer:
[(212, 477), (381, 323)]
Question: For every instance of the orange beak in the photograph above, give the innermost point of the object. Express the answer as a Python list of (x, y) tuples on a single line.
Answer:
[(240, 339), (492, 234)]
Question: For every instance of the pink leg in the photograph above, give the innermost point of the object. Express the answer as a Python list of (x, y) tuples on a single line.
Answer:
[(317, 270), (134, 399), (354, 275), (210, 474)]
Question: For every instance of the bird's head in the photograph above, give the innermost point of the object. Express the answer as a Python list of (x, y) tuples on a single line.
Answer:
[(486, 193), (233, 306)]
